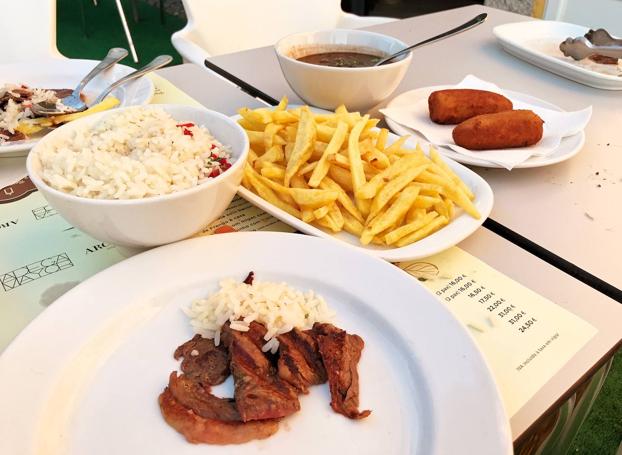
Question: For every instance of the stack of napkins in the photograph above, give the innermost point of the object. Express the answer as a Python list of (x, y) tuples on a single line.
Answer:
[(557, 125)]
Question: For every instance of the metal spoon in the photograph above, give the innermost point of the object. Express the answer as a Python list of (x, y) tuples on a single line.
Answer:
[(454, 31), (73, 103), (158, 62)]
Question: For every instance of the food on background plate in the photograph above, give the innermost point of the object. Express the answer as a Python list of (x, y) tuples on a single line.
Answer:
[(453, 106), (342, 59), (276, 342), (519, 128), (18, 122), (339, 172), (139, 152)]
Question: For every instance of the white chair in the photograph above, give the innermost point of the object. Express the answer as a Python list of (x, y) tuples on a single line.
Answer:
[(605, 14), (28, 30), (222, 26)]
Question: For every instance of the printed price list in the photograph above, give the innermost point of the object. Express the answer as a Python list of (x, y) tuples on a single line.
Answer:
[(497, 306)]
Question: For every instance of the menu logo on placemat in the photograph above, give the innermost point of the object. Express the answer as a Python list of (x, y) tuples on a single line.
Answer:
[(34, 271), (17, 191)]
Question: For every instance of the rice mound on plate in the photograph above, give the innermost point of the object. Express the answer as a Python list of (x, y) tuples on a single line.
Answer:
[(133, 154), (277, 306)]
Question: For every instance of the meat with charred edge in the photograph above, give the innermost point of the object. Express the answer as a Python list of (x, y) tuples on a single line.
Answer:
[(191, 394), (197, 429), (259, 393), (341, 353), (249, 278), (300, 363), (203, 361)]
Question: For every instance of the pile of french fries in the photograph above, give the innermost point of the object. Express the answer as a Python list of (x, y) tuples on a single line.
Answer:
[(338, 171)]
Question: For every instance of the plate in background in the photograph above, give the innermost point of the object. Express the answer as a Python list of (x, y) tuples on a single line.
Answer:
[(67, 73)]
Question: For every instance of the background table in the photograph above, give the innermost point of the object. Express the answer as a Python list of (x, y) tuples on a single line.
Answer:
[(568, 208), (599, 310)]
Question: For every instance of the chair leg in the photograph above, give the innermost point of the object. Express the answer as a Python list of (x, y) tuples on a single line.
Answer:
[(162, 16), (126, 29), (83, 18), (135, 10)]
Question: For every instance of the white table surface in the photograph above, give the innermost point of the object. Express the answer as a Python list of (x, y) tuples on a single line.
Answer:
[(602, 312), (561, 207)]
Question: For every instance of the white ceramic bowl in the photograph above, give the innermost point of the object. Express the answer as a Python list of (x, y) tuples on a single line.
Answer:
[(153, 220), (328, 87)]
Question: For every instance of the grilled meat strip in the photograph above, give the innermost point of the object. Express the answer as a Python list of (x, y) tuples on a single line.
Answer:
[(300, 363), (341, 353), (193, 395), (16, 136), (203, 361), (259, 393), (197, 429)]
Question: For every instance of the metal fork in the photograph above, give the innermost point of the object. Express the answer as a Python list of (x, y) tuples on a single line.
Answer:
[(158, 62), (73, 103)]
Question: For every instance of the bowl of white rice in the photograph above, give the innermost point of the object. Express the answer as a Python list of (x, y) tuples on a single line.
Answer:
[(141, 176)]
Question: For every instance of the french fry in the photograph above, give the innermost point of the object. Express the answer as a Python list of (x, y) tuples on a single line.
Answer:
[(305, 137), (342, 177), (426, 230), (392, 215), (273, 172), (266, 193), (414, 213), (354, 155), (261, 115), (336, 216), (32, 126), (393, 186), (272, 155), (402, 231), (425, 202), (381, 140), (436, 158), (343, 198), (352, 225), (333, 147), (269, 134), (321, 212), (394, 147), (313, 198), (281, 106)]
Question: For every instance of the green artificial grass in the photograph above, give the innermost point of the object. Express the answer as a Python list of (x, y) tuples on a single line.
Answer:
[(104, 30), (602, 431)]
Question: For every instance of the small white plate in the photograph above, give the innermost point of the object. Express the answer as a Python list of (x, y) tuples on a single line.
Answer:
[(537, 42), (67, 73), (568, 147), (457, 230), (84, 377)]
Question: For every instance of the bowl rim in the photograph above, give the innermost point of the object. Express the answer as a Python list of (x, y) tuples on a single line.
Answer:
[(396, 63), (212, 181)]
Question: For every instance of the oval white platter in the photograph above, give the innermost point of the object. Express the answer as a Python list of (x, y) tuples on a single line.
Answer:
[(457, 230)]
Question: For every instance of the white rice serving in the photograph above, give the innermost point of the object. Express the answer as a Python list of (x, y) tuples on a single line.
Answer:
[(277, 306), (132, 154)]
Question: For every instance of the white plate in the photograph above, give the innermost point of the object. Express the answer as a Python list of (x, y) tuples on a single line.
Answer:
[(568, 147), (457, 230), (67, 73), (537, 42), (84, 377)]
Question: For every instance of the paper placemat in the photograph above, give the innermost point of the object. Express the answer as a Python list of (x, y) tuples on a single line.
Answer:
[(525, 337)]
